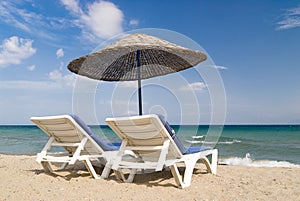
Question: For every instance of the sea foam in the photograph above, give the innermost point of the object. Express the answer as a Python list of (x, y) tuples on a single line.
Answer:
[(204, 142), (247, 161)]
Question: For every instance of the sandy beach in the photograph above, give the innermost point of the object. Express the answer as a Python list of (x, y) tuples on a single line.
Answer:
[(24, 179)]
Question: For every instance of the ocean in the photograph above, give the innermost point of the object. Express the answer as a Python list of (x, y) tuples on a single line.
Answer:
[(247, 145)]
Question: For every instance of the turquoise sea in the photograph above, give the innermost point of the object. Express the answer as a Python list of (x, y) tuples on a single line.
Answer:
[(249, 145)]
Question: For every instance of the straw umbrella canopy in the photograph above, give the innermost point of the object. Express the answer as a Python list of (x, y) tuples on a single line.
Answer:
[(136, 57)]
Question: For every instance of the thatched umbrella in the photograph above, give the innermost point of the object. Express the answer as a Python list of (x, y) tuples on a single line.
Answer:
[(136, 57)]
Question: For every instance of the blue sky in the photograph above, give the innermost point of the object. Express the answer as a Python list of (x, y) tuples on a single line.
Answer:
[(255, 46)]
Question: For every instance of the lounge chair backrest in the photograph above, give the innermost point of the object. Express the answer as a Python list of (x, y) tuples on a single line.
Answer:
[(146, 130), (104, 145), (65, 129)]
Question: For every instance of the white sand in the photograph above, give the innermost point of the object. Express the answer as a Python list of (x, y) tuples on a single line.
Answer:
[(21, 178)]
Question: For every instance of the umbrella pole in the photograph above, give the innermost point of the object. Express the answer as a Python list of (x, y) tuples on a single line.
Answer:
[(138, 57)]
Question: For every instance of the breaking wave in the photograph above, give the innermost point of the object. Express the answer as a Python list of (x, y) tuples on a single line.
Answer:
[(204, 142), (248, 161), (197, 136)]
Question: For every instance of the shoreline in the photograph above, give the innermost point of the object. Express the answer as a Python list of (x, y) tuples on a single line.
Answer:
[(225, 160), (24, 179)]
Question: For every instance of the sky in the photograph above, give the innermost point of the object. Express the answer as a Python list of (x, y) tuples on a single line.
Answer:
[(254, 48)]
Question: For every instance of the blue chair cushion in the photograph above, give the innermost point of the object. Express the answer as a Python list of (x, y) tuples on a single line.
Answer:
[(104, 145), (177, 141), (179, 144), (192, 150), (166, 124)]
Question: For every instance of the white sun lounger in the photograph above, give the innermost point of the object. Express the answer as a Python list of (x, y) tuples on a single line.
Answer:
[(71, 133), (156, 146)]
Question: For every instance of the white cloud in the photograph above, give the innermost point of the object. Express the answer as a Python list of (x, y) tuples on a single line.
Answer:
[(102, 18), (31, 68), (134, 22), (56, 81), (289, 23), (14, 49), (61, 66), (97, 20), (127, 84), (295, 11), (27, 85), (59, 53), (196, 86), (219, 67), (13, 13), (72, 5), (14, 16), (55, 75), (64, 80), (291, 19)]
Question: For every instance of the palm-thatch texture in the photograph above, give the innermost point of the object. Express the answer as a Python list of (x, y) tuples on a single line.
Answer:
[(118, 62)]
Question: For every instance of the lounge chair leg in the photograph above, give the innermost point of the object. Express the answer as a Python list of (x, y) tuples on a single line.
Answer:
[(106, 171), (176, 174), (207, 164), (131, 176), (63, 166), (211, 167), (214, 161), (47, 167), (188, 172), (91, 169), (120, 176)]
